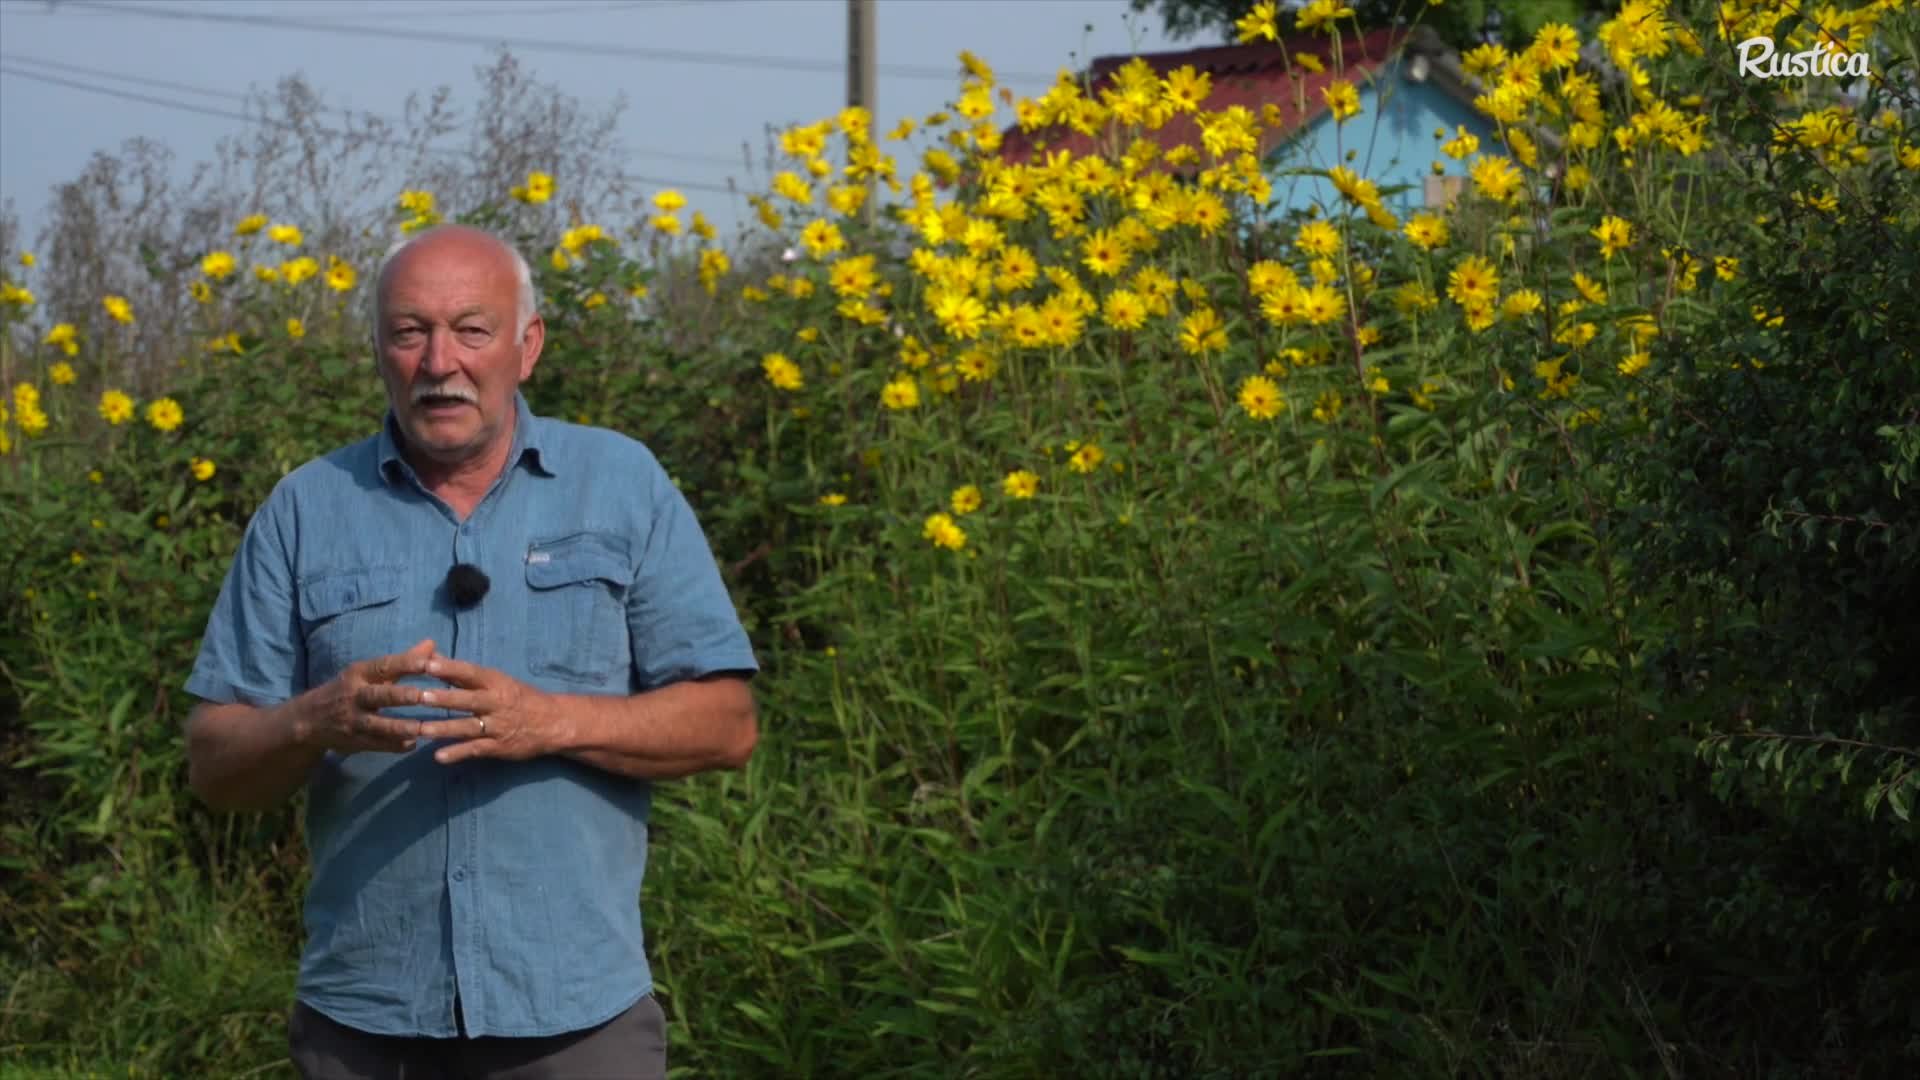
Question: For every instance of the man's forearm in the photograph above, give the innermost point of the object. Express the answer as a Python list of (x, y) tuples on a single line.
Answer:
[(662, 734), (240, 757)]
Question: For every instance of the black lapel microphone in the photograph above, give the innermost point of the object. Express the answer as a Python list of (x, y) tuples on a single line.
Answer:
[(467, 584)]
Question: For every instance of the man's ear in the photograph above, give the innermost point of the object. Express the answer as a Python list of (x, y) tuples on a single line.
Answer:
[(532, 340)]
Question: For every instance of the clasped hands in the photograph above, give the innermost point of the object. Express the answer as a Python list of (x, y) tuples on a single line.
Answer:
[(505, 718)]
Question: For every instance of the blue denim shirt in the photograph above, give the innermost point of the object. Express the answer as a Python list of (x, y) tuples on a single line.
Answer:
[(515, 885)]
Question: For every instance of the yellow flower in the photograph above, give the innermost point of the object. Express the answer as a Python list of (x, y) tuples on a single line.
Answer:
[(200, 291), (1473, 281), (940, 529), (1124, 310), (1593, 291), (537, 189), (1496, 178), (1202, 332), (1557, 44), (961, 315), (26, 396), (1520, 303), (267, 273), (118, 308), (202, 469), (115, 407), (965, 499), (164, 414), (1258, 23), (792, 187), (1614, 234), (340, 276), (417, 203), (250, 224), (1086, 459), (65, 337), (1185, 89), (822, 238), (783, 373), (1726, 267), (1323, 13), (1342, 99), (833, 498), (975, 365), (15, 294), (95, 476), (217, 265), (1463, 145), (77, 559), (1104, 254), (1634, 364), (26, 258), (295, 271), (1318, 238), (285, 234), (1321, 304), (1427, 231), (1326, 408), (669, 201), (901, 393), (1021, 484), (61, 374), (296, 329), (1260, 398)]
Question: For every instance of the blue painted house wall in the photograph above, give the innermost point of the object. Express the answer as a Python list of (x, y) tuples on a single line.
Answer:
[(1391, 140)]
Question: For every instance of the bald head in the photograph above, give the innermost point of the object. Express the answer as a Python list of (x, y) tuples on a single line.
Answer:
[(468, 242)]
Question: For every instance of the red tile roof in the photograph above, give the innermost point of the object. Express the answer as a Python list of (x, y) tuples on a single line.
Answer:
[(1250, 75)]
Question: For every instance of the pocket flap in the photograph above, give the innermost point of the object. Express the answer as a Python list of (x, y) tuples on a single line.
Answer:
[(331, 594), (577, 558)]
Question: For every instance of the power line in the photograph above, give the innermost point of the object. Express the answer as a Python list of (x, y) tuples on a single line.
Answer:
[(226, 114), (442, 12), (574, 48), (543, 11), (229, 95)]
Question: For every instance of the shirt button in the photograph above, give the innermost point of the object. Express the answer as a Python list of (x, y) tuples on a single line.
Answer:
[(459, 874)]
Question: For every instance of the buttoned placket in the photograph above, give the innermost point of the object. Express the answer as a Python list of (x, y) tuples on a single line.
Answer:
[(464, 879)]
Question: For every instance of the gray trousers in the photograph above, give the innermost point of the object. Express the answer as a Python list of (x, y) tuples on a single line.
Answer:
[(631, 1046)]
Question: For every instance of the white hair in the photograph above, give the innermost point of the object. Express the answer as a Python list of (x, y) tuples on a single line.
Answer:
[(525, 300)]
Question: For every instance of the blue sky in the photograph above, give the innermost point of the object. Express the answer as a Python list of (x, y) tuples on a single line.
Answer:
[(684, 122)]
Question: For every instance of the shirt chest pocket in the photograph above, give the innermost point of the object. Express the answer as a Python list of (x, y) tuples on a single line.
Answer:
[(348, 616), (577, 607)]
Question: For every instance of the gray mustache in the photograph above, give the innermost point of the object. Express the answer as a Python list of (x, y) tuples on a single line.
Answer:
[(422, 393)]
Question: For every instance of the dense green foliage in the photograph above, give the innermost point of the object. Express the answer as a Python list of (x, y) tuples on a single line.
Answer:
[(1430, 729)]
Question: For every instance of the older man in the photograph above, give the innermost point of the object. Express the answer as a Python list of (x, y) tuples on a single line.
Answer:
[(474, 639)]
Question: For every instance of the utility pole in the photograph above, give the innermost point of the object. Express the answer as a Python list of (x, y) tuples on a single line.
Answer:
[(860, 80), (860, 53)]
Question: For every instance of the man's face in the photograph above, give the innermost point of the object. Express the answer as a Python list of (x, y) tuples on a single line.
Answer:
[(448, 349)]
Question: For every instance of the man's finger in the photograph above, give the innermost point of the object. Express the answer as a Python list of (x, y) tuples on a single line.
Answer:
[(465, 728), (375, 729), (375, 696), (458, 672), (462, 701), (383, 746), (461, 751), (414, 661)]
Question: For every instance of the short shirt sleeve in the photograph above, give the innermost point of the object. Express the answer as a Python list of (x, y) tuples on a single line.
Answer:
[(681, 620), (253, 652)]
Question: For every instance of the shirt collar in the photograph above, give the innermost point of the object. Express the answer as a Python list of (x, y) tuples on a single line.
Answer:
[(529, 443)]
